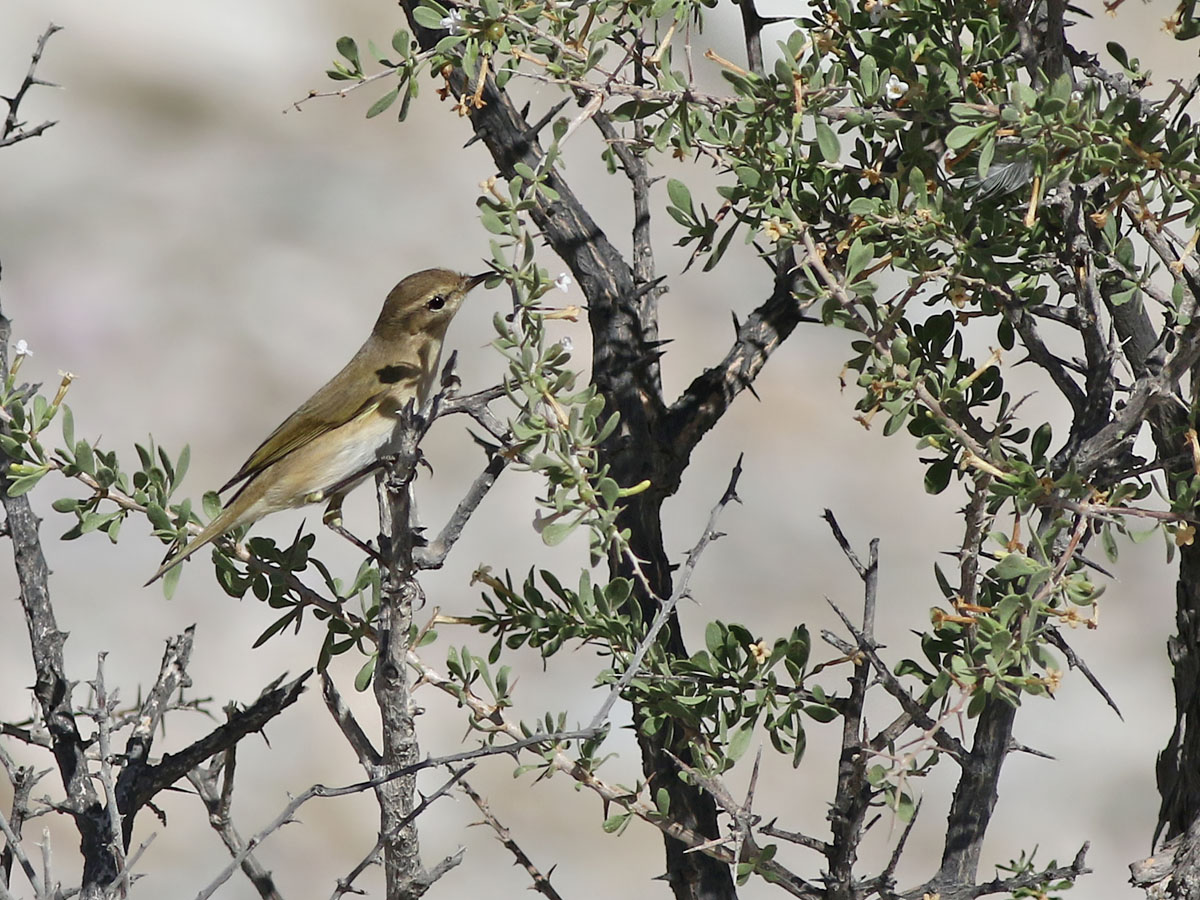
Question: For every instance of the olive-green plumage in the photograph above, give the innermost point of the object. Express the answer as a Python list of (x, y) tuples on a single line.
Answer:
[(328, 445)]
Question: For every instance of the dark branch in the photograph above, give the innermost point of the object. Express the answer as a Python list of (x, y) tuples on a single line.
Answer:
[(666, 610), (853, 797), (137, 787), (541, 882), (52, 687), (217, 793), (14, 130), (172, 676), (710, 394)]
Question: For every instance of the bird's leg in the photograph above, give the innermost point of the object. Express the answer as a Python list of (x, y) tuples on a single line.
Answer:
[(333, 521)]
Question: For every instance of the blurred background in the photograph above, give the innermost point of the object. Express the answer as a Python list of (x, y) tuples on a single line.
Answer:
[(203, 256)]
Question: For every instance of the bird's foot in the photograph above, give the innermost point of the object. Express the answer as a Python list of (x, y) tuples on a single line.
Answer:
[(335, 525)]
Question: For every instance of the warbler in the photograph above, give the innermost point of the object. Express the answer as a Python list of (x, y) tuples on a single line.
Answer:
[(336, 437)]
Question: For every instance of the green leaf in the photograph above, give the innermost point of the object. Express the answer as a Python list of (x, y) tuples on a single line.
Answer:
[(362, 680), (1117, 52), (349, 49), (171, 581), (68, 426), (555, 533), (987, 153), (748, 175), (1041, 441), (12, 448), (181, 464), (961, 135), (828, 143), (383, 102), (85, 459), (491, 219), (24, 484), (937, 476), (820, 713), (860, 256), (681, 197), (1109, 543), (1014, 565), (662, 800), (1006, 335), (739, 743), (610, 491), (868, 73), (400, 42), (616, 822), (158, 517), (714, 638)]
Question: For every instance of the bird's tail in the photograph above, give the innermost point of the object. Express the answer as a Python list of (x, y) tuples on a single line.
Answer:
[(224, 521)]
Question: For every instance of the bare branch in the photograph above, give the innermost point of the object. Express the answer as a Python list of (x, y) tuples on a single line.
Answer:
[(913, 710), (217, 799), (368, 757), (172, 676), (142, 784), (15, 131), (103, 717), (710, 394), (286, 817), (854, 792), (13, 846), (345, 885), (974, 799), (541, 883), (434, 554)]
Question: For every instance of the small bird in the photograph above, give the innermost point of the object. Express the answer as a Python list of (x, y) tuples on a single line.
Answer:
[(336, 437)]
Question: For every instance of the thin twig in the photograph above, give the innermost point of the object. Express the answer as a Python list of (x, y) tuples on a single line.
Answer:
[(14, 844), (667, 608), (15, 131), (286, 817), (854, 791), (345, 884), (892, 685), (218, 800), (541, 883), (368, 757), (103, 718)]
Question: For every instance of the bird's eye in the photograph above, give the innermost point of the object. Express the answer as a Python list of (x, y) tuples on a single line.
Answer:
[(437, 302)]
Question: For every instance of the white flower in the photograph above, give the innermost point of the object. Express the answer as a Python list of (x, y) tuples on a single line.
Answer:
[(875, 9), (566, 344), (22, 348), (563, 282), (453, 22), (895, 88)]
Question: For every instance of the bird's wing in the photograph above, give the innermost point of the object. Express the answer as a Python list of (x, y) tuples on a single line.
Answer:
[(352, 392)]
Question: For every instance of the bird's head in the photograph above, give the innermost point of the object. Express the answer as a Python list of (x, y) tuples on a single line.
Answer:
[(424, 303)]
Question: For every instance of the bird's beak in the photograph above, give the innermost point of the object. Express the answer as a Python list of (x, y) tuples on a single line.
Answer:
[(473, 281)]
